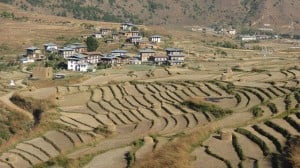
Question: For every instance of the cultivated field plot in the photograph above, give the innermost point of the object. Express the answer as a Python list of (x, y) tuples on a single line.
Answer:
[(250, 146), (161, 104), (131, 110)]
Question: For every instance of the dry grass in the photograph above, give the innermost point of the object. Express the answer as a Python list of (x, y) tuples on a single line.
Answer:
[(176, 154), (294, 153), (70, 80), (38, 29)]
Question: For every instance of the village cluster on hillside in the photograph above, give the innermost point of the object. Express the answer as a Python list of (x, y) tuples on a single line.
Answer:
[(78, 58)]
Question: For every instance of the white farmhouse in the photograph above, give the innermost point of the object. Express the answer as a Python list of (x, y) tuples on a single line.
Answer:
[(77, 62), (155, 39)]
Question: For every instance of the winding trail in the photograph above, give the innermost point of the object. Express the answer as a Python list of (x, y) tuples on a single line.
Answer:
[(5, 99)]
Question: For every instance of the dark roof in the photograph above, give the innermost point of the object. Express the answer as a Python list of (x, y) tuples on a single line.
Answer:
[(159, 56), (155, 36), (119, 51), (65, 49), (32, 48), (92, 53), (176, 55), (174, 49), (76, 57), (50, 44), (147, 51)]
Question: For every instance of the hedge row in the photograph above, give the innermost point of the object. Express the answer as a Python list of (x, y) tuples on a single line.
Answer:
[(238, 98), (288, 102), (260, 97), (293, 123), (264, 92), (255, 139), (279, 129), (272, 108), (237, 147), (216, 111), (298, 115), (269, 136), (257, 111)]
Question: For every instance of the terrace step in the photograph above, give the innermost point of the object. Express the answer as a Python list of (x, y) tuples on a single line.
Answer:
[(44, 146), (84, 119), (249, 148), (205, 160), (15, 160), (58, 140), (27, 156), (4, 164)]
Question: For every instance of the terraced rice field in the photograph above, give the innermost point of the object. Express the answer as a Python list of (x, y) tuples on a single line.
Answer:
[(257, 142), (134, 110)]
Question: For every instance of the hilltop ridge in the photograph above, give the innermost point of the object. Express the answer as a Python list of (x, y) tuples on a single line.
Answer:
[(281, 15)]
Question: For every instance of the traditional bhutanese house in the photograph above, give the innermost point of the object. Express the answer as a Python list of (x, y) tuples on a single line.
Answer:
[(129, 34), (110, 59), (155, 39), (158, 59), (143, 43), (33, 52), (77, 62), (50, 47), (134, 39), (78, 47), (115, 36), (126, 26), (175, 56), (145, 54), (122, 54), (97, 35), (92, 57), (119, 53), (105, 31), (135, 61), (66, 52), (109, 40)]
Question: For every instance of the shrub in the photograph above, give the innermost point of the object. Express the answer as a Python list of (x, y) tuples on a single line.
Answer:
[(238, 98), (298, 115), (205, 107), (269, 136), (297, 96), (272, 108), (257, 111), (255, 139), (104, 130), (130, 158), (237, 147), (288, 102)]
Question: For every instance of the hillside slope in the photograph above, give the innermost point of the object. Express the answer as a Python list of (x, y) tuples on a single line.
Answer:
[(282, 15)]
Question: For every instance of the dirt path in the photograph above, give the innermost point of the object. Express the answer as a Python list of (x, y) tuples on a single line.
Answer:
[(5, 99)]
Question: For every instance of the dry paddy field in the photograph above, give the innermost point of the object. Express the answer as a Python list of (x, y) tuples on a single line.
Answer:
[(131, 119)]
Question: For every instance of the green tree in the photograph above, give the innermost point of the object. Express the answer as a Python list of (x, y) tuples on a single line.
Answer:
[(92, 43)]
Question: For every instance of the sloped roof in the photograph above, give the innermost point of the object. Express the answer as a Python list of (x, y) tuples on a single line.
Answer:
[(147, 51)]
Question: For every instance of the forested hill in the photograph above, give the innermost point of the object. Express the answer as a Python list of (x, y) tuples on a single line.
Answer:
[(280, 14)]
